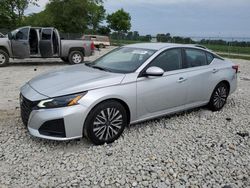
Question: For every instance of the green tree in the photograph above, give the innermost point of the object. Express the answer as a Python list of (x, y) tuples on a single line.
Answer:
[(12, 12), (119, 21), (161, 38), (130, 35), (136, 35), (103, 30), (41, 19), (70, 16), (96, 14), (168, 37)]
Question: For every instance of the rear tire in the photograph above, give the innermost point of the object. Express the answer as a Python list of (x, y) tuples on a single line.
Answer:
[(219, 97), (105, 123), (4, 58), (102, 46), (76, 57)]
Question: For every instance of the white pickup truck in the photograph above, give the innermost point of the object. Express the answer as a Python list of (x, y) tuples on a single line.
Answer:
[(37, 42)]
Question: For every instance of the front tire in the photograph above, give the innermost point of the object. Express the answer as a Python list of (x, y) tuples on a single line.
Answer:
[(4, 58), (219, 97), (105, 123), (76, 57)]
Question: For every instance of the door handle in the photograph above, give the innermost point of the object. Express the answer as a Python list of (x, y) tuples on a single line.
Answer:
[(181, 79), (215, 70)]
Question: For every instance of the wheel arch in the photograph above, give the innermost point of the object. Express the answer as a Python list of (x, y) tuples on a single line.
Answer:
[(122, 102), (225, 82), (211, 104), (125, 105), (222, 81), (5, 50), (81, 49)]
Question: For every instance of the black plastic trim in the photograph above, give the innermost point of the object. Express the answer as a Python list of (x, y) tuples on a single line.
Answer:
[(54, 128)]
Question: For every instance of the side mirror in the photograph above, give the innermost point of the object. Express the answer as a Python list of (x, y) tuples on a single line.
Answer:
[(154, 71)]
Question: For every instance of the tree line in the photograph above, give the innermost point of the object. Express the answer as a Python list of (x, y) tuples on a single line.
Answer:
[(68, 16)]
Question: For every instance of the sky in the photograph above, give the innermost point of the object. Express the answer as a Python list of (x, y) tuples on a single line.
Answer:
[(191, 18)]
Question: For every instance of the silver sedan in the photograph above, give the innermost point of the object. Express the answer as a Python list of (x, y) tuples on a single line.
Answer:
[(131, 84)]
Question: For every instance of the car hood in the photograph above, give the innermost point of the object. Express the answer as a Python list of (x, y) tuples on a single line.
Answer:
[(3, 40), (74, 79)]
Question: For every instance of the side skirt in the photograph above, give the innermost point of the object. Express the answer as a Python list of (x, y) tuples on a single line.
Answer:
[(170, 111)]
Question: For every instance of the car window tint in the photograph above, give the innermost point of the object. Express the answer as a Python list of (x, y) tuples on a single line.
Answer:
[(169, 60), (46, 34), (195, 58), (22, 34), (210, 58)]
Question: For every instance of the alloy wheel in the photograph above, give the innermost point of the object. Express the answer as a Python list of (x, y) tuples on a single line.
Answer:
[(2, 59), (220, 97), (107, 124)]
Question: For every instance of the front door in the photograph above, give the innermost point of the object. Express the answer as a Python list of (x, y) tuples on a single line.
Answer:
[(156, 95), (46, 43), (20, 43)]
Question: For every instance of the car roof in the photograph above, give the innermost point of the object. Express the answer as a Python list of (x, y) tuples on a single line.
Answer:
[(36, 27), (158, 45)]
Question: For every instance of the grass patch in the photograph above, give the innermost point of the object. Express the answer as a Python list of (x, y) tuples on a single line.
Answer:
[(235, 56), (231, 49)]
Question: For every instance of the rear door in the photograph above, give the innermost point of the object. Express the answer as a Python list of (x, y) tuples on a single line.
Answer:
[(20, 43), (198, 73), (46, 42), (56, 42)]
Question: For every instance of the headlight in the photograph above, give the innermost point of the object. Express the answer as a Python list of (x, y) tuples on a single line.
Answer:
[(68, 100)]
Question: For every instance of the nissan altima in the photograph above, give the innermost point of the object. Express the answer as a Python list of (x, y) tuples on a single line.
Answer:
[(130, 84)]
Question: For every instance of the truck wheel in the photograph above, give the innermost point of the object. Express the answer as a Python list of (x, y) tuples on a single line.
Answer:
[(4, 58), (76, 57), (102, 46), (65, 59)]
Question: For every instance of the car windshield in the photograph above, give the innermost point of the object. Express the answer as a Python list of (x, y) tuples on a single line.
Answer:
[(123, 60)]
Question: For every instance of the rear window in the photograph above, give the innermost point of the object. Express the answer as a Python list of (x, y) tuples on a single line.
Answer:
[(195, 58), (210, 58), (46, 34)]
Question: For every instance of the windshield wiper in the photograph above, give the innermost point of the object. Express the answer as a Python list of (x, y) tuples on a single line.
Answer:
[(100, 68), (97, 67), (88, 64)]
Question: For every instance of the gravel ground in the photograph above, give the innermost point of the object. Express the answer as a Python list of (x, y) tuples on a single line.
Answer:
[(197, 148)]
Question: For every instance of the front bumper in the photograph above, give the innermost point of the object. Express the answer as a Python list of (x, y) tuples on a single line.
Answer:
[(55, 124), (72, 117)]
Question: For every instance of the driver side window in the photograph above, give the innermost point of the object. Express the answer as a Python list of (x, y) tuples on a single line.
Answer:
[(169, 60), (22, 34)]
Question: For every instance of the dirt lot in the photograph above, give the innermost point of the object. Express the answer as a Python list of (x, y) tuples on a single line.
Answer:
[(196, 148)]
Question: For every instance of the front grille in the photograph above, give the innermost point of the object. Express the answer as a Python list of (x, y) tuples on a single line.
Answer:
[(26, 108)]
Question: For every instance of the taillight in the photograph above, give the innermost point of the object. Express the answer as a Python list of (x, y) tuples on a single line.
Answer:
[(236, 68), (92, 46)]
